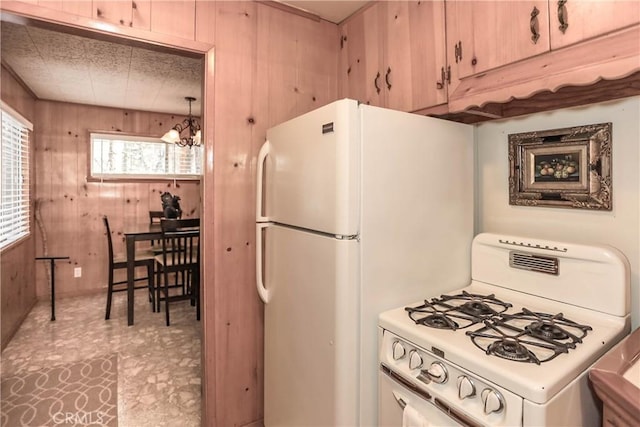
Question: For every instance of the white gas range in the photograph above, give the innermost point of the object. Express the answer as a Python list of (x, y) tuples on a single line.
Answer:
[(513, 347)]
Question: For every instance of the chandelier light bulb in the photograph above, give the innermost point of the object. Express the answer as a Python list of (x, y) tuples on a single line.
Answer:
[(189, 125)]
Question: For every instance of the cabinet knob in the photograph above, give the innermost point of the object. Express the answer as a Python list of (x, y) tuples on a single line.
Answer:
[(562, 18), (375, 82), (386, 78), (443, 75), (534, 25), (457, 49)]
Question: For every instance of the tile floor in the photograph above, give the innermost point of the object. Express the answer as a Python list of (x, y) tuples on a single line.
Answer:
[(158, 366)]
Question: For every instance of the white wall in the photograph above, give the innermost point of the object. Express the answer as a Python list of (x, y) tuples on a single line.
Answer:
[(619, 227)]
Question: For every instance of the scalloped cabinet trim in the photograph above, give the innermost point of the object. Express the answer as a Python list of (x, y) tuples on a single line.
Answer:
[(614, 56)]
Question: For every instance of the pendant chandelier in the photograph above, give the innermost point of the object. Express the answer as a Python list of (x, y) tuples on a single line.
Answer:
[(190, 126)]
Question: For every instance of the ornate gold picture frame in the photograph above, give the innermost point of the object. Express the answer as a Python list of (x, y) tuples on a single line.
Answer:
[(568, 167)]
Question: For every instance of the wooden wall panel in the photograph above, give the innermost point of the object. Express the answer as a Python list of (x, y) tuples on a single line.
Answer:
[(17, 277), (270, 66), (71, 207), (238, 383)]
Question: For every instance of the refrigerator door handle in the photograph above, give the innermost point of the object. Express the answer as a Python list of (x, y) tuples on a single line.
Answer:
[(262, 291), (262, 156)]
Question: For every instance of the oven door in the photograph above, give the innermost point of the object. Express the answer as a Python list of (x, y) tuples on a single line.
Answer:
[(401, 406)]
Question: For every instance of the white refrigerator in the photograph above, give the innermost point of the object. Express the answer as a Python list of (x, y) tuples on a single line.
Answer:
[(360, 209)]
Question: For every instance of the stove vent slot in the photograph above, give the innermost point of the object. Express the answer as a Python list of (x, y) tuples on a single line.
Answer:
[(531, 262)]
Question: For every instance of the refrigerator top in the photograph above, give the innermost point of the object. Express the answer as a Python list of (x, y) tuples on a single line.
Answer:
[(314, 170)]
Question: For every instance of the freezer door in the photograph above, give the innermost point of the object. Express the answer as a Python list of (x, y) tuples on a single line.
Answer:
[(311, 329), (312, 171)]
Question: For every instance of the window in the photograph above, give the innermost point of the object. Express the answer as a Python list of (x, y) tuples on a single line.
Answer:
[(117, 156), (14, 177)]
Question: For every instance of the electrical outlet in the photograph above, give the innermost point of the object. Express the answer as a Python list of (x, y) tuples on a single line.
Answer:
[(77, 272)]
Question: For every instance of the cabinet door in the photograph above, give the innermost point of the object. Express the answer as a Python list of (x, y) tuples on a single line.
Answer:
[(176, 18), (134, 13), (574, 21), (360, 73), (116, 12), (496, 33), (80, 8), (414, 52)]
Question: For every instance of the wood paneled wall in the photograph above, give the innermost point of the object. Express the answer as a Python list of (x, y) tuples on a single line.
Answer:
[(17, 278), (270, 66), (71, 208)]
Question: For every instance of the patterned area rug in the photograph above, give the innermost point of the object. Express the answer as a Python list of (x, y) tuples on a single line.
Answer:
[(83, 393)]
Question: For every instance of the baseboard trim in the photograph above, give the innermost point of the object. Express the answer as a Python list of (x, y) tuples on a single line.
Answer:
[(71, 294), (17, 325)]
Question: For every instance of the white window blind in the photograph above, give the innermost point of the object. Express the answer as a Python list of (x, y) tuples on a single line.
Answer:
[(14, 177), (127, 156)]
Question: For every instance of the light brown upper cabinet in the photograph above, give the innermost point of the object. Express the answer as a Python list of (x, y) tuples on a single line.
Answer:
[(172, 17), (135, 13), (176, 18), (360, 59), (393, 55), (74, 7), (414, 64), (489, 34), (573, 21)]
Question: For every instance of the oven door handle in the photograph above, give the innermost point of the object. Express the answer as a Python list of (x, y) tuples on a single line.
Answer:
[(405, 383), (439, 404)]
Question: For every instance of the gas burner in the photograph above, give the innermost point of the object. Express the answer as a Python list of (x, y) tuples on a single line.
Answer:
[(547, 330), (551, 327), (476, 308), (510, 348), (439, 321)]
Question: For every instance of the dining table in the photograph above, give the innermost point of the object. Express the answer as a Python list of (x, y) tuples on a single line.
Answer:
[(133, 234)]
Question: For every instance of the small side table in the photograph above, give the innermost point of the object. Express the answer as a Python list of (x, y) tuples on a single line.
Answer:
[(53, 260)]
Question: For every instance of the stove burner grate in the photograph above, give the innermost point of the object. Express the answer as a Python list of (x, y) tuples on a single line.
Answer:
[(456, 311), (430, 315), (552, 326), (474, 304), (542, 338)]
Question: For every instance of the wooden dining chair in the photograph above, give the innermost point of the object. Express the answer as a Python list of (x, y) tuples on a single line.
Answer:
[(119, 261), (154, 218), (180, 255)]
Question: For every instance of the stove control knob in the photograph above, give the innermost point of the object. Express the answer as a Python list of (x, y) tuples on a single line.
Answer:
[(438, 373), (398, 350), (492, 401), (415, 361), (466, 388)]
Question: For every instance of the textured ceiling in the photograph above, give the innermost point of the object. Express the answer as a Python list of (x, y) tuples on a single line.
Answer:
[(64, 67), (70, 68)]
